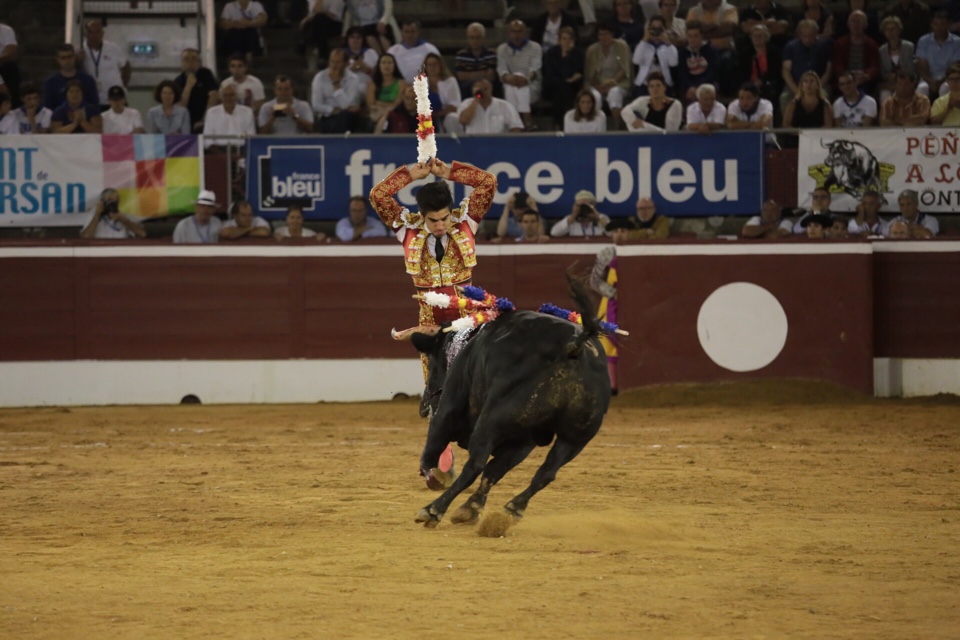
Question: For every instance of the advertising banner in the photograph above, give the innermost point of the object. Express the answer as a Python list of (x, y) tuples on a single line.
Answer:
[(56, 180), (851, 161), (686, 175)]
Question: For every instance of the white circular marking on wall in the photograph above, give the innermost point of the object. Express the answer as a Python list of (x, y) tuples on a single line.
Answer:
[(742, 327)]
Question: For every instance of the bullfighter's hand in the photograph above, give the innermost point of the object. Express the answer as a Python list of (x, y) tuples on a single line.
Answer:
[(420, 170), (440, 168)]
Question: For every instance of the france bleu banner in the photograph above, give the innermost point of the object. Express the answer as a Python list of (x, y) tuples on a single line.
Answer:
[(686, 175)]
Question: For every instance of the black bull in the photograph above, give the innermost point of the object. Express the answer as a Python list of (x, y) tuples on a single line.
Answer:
[(524, 380)]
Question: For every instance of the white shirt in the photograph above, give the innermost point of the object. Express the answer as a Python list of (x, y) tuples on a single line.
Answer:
[(233, 11), (324, 97), (16, 122), (643, 59), (878, 229), (219, 122), (925, 220), (109, 230), (499, 117), (105, 66), (188, 231), (756, 221), (597, 125), (410, 59), (258, 223), (852, 115), (7, 36), (249, 91), (283, 125), (284, 232), (123, 122), (695, 115), (551, 33), (764, 108), (449, 91)]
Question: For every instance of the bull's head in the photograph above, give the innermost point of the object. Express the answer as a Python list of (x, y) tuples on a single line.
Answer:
[(429, 340)]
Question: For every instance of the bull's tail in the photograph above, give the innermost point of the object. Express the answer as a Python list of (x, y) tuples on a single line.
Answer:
[(591, 325)]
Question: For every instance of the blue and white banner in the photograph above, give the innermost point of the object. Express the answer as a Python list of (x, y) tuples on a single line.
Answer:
[(851, 161), (686, 175)]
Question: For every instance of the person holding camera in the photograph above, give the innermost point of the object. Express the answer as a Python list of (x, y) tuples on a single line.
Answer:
[(654, 53), (285, 115), (516, 205), (584, 220), (107, 223)]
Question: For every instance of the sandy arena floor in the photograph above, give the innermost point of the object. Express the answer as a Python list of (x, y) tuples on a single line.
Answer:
[(697, 512)]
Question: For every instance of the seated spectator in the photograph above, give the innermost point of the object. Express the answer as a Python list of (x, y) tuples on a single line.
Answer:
[(820, 206), (655, 53), (518, 203), (815, 226), (655, 112), (411, 51), (374, 20), (30, 117), (842, 19), (243, 224), (229, 118), (674, 27), (519, 63), (816, 12), (936, 51), (55, 86), (249, 88), (120, 118), (198, 88), (102, 60), (619, 231), (563, 67), (203, 227), (475, 62), (285, 114), (9, 69), (810, 109), (628, 22), (946, 109), (760, 64), (583, 220), (838, 228), (914, 16), (920, 226), (359, 224), (444, 93), (854, 108), (168, 116), (775, 20), (706, 114), (531, 227), (750, 111), (75, 115), (294, 229), (719, 21), (898, 230), (108, 223), (403, 117), (857, 54), (240, 24), (545, 28), (802, 54), (698, 64), (361, 59), (867, 221), (770, 224), (586, 116), (485, 114), (386, 89), (649, 225), (906, 107), (607, 70), (335, 96), (895, 55), (323, 23)]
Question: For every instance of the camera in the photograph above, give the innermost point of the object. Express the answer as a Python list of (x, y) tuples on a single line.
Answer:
[(584, 212), (280, 110), (111, 207), (656, 31), (521, 201)]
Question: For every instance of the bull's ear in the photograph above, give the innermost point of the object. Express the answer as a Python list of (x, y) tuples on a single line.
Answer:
[(426, 343)]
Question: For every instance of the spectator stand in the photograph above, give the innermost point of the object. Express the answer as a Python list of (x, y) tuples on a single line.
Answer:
[(152, 34)]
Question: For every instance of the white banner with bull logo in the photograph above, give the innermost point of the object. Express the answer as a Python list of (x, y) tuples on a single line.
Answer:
[(851, 161)]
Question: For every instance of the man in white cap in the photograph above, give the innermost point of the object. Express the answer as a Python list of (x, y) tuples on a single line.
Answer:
[(584, 219), (203, 227)]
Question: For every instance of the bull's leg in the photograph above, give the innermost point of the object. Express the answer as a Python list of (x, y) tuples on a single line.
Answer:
[(431, 514), (504, 459), (560, 454)]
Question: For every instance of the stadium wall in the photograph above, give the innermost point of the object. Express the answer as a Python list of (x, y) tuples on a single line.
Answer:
[(95, 323)]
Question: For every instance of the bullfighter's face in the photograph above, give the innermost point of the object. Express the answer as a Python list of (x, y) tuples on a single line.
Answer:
[(438, 222)]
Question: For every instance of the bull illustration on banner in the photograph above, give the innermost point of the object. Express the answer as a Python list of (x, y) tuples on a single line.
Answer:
[(852, 168)]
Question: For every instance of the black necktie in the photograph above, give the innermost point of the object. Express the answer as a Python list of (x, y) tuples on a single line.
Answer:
[(439, 249)]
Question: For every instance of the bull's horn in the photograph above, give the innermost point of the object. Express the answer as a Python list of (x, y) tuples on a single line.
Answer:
[(406, 334)]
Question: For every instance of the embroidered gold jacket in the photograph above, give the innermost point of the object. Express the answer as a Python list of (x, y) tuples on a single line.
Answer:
[(460, 255)]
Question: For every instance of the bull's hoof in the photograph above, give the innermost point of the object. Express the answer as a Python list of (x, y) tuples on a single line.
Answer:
[(438, 480), (428, 517), (515, 514), (467, 514)]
